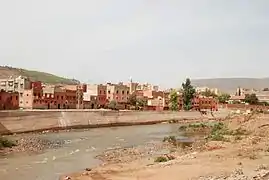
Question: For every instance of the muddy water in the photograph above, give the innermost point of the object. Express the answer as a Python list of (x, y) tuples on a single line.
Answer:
[(79, 150)]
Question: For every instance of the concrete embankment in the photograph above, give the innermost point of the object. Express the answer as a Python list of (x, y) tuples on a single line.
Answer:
[(33, 121)]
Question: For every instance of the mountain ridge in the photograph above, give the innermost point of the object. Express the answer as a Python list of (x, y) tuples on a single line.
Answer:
[(6, 72), (230, 84)]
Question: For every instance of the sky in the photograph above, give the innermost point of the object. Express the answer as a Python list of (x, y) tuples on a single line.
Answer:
[(156, 41)]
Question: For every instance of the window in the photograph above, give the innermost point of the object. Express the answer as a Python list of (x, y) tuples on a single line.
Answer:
[(11, 98), (117, 98), (122, 98), (26, 102), (108, 91), (117, 92), (62, 97), (34, 94), (27, 94), (104, 92), (122, 92), (20, 102), (0, 97), (57, 97), (100, 92), (127, 92), (16, 97)]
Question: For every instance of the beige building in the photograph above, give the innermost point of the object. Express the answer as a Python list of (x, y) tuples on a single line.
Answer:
[(16, 84), (147, 86), (118, 92)]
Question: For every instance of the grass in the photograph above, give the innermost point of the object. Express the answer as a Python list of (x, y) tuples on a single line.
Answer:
[(46, 77), (6, 71), (5, 143)]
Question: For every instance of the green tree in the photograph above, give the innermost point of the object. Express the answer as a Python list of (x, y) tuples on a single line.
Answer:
[(132, 100), (223, 98), (188, 94), (112, 105), (141, 103), (173, 100), (251, 99)]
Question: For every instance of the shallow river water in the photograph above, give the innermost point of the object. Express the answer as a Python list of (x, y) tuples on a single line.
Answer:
[(79, 151)]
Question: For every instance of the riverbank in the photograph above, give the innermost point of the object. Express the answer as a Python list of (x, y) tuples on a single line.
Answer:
[(27, 144), (241, 151), (37, 121)]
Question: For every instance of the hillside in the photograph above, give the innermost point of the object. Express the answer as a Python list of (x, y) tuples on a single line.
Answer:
[(6, 72), (230, 84)]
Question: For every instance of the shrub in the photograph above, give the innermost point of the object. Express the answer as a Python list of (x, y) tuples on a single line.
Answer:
[(170, 139), (6, 143), (161, 159)]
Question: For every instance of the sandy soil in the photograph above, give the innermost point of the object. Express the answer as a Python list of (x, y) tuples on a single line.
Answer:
[(242, 157)]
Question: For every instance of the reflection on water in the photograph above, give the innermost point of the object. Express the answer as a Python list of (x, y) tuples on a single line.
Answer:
[(79, 150)]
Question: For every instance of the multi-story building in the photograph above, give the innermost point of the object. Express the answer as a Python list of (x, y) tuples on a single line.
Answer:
[(16, 84), (119, 93), (147, 86), (96, 93), (9, 100)]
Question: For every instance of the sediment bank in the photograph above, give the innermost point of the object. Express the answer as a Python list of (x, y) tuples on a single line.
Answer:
[(35, 121)]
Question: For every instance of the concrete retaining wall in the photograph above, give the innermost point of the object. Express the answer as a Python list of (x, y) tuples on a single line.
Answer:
[(28, 121)]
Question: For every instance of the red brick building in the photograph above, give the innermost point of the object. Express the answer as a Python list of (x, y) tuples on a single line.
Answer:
[(9, 100), (200, 103)]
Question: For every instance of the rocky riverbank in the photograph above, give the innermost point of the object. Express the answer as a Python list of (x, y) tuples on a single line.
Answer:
[(238, 142), (28, 144)]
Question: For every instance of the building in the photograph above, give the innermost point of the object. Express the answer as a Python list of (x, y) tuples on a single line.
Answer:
[(16, 84), (97, 94), (202, 102), (205, 89), (119, 93), (147, 86), (9, 100)]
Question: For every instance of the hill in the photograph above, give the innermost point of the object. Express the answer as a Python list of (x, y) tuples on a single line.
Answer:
[(230, 84), (6, 72)]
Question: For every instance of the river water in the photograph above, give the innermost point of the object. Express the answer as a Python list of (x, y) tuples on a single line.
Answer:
[(79, 151)]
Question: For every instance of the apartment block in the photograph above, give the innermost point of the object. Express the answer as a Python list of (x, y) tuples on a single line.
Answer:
[(97, 94)]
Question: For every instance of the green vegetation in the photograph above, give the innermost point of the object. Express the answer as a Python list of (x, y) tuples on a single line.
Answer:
[(112, 105), (5, 143), (46, 77), (173, 100), (6, 72), (251, 99), (188, 94), (223, 98), (170, 139), (164, 158)]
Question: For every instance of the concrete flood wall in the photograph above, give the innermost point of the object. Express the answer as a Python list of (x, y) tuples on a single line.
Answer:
[(30, 121)]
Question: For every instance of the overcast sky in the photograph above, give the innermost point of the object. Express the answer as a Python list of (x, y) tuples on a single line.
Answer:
[(158, 41)]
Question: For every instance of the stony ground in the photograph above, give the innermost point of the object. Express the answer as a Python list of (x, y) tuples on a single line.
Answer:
[(244, 155), (29, 144)]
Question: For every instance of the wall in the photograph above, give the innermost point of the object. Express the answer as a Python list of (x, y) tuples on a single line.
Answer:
[(27, 121)]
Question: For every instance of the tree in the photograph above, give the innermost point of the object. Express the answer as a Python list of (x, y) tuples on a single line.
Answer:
[(173, 100), (188, 94), (132, 99), (223, 98), (141, 103), (251, 99), (208, 93), (266, 89), (112, 105)]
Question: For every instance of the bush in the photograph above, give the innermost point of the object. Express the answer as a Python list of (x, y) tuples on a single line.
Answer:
[(161, 159), (6, 143), (170, 139)]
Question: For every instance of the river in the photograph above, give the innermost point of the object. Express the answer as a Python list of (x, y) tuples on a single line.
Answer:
[(79, 151)]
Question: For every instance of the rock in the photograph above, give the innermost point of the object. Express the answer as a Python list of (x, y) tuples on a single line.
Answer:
[(88, 169), (67, 178)]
